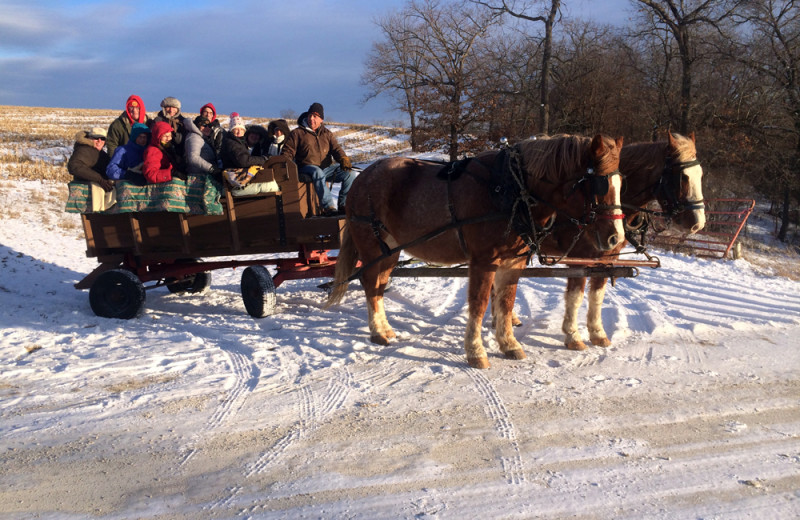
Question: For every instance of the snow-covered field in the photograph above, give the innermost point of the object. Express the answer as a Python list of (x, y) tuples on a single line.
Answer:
[(197, 410)]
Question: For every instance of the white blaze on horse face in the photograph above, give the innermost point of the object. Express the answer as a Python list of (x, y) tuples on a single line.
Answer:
[(694, 176), (616, 185)]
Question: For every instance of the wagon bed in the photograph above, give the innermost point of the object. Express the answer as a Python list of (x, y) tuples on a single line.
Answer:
[(139, 247)]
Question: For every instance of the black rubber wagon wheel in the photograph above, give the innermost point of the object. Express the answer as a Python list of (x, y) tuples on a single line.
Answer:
[(117, 294), (258, 291), (194, 284)]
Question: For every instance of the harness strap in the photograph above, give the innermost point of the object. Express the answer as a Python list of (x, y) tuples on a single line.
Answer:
[(387, 252), (451, 208)]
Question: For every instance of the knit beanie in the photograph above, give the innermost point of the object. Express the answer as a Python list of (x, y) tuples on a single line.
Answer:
[(138, 129), (170, 102), (317, 108), (236, 122)]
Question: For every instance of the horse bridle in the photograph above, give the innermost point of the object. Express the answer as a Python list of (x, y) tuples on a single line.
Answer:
[(594, 187), (669, 186)]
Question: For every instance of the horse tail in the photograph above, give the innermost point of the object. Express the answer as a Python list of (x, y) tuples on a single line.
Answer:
[(345, 266)]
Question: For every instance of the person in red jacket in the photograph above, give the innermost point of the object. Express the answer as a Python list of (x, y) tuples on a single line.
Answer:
[(161, 162)]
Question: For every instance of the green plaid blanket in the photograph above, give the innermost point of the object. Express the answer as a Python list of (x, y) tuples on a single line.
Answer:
[(199, 195), (78, 200)]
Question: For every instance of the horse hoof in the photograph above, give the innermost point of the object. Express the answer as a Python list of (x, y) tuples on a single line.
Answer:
[(479, 362), (576, 345), (601, 342), (379, 340), (515, 354), (516, 322)]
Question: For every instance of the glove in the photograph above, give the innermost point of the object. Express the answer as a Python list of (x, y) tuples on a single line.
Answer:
[(254, 170), (346, 164)]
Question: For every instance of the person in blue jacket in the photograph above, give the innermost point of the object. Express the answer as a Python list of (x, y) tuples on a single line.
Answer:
[(127, 159)]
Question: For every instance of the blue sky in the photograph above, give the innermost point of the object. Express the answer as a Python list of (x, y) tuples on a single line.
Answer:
[(255, 57)]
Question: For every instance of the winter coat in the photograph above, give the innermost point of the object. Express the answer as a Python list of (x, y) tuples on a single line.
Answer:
[(216, 129), (274, 147), (126, 157), (160, 164), (236, 154), (87, 163), (199, 150), (178, 129), (120, 129), (305, 146), (260, 148)]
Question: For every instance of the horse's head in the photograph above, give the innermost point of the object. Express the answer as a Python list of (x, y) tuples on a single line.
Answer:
[(680, 190), (602, 187), (577, 179)]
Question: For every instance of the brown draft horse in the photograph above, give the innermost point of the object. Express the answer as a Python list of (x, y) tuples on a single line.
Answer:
[(667, 171), (401, 204)]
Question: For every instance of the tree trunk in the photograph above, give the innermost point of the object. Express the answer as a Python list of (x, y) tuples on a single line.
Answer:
[(785, 215)]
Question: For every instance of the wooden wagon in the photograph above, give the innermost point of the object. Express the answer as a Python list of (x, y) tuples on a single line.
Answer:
[(168, 248)]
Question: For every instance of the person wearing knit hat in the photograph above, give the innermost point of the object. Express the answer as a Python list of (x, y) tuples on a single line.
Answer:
[(236, 151), (235, 124), (316, 108), (126, 163), (119, 131), (171, 114), (314, 148)]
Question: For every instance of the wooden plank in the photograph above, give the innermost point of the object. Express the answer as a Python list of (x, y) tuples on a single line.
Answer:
[(91, 249), (137, 234), (530, 272), (230, 210), (184, 233)]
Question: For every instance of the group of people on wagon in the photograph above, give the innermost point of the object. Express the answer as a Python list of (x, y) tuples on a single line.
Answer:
[(144, 150)]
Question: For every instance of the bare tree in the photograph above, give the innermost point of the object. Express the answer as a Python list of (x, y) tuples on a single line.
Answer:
[(772, 51), (682, 19), (550, 12), (393, 67)]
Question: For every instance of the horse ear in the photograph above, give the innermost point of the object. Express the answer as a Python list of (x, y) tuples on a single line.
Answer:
[(619, 141), (672, 143), (598, 145), (691, 136)]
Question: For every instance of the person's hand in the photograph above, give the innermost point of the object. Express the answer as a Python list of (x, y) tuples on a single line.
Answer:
[(346, 164), (106, 184)]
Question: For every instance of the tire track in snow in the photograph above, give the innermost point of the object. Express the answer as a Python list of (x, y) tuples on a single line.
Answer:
[(513, 467), (245, 379), (310, 416)]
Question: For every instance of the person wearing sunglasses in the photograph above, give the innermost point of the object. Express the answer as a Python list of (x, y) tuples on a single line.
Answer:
[(88, 164), (201, 156)]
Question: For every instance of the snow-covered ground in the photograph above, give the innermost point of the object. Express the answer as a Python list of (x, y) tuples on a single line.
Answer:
[(197, 410)]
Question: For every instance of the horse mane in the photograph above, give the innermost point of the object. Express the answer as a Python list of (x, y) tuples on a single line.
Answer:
[(559, 157), (651, 156)]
